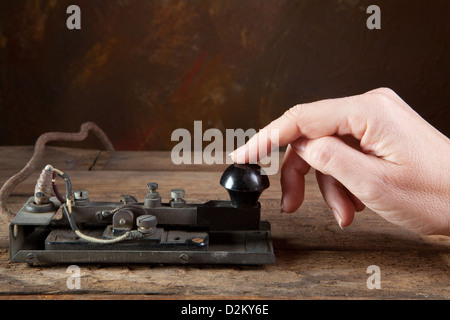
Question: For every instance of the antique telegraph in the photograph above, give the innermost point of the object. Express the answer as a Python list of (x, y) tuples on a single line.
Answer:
[(152, 231)]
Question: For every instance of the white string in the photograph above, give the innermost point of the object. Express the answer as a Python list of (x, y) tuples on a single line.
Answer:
[(101, 241)]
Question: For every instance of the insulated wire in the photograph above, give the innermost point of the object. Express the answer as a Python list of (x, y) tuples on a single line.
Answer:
[(67, 208), (102, 241), (68, 211), (38, 153)]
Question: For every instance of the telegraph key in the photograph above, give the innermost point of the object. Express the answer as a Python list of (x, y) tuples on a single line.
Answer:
[(152, 231)]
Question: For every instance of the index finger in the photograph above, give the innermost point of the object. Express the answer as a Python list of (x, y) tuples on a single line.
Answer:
[(342, 116)]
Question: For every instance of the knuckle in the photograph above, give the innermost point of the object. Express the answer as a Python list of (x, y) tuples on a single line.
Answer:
[(384, 97), (383, 103), (294, 115), (295, 112), (385, 91)]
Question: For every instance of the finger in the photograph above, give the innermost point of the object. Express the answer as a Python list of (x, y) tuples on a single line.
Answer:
[(331, 156), (337, 198), (343, 116), (293, 174), (359, 205)]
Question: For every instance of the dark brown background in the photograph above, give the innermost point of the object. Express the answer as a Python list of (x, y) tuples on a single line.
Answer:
[(141, 69)]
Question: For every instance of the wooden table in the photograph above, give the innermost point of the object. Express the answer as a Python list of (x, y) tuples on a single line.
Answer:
[(315, 258)]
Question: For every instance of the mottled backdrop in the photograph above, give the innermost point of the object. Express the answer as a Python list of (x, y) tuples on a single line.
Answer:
[(141, 69)]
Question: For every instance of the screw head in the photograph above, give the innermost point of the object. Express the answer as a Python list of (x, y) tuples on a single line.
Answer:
[(184, 258), (152, 186), (31, 258), (177, 193), (81, 195), (146, 221)]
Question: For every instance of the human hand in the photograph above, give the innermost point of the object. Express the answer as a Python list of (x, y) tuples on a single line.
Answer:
[(400, 167)]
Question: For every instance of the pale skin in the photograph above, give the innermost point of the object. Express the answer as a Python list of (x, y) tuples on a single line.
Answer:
[(370, 150)]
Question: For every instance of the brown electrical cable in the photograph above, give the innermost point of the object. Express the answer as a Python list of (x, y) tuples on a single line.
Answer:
[(43, 189), (56, 190), (39, 148)]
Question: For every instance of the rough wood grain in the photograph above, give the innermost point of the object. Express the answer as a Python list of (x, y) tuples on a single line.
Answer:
[(16, 157), (315, 258)]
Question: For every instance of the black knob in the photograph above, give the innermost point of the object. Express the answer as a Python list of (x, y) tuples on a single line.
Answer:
[(244, 183)]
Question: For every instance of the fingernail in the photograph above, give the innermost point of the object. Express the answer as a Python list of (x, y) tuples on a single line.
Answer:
[(337, 215), (340, 223), (282, 206)]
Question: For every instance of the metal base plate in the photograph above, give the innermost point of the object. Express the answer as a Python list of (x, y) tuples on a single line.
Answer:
[(173, 247)]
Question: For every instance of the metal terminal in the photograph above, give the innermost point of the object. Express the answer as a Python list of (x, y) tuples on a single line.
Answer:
[(177, 196), (152, 187), (152, 200), (32, 207), (81, 197), (123, 220), (146, 224)]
